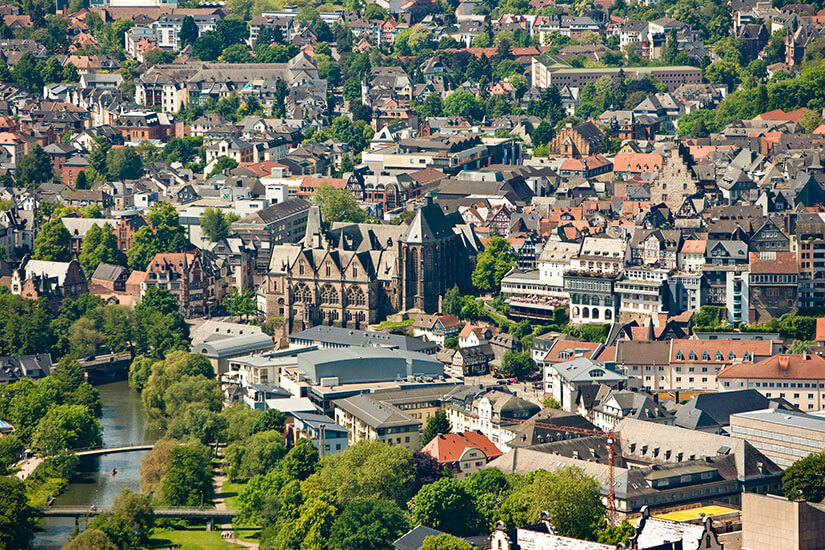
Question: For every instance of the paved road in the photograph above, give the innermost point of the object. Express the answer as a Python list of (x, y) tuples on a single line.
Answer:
[(28, 466)]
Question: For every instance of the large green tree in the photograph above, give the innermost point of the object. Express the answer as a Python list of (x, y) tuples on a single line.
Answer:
[(17, 519), (52, 243), (493, 264), (188, 31), (436, 424), (123, 163), (368, 524), (338, 205), (448, 506), (570, 496), (805, 478), (445, 542), (215, 224), (66, 427), (100, 246), (255, 455), (33, 168), (370, 469), (188, 479)]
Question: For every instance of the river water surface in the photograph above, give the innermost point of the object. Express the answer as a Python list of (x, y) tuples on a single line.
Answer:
[(123, 424)]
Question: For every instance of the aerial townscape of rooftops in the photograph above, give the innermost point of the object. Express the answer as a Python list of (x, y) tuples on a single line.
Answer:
[(412, 274)]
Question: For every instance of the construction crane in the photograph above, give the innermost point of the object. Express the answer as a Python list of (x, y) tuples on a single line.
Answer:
[(610, 436), (611, 456)]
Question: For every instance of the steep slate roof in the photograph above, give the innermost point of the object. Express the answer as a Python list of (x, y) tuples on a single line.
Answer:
[(108, 272)]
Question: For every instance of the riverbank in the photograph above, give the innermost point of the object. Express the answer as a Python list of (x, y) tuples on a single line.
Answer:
[(93, 483)]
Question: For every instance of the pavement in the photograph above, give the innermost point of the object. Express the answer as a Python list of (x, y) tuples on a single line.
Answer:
[(28, 466)]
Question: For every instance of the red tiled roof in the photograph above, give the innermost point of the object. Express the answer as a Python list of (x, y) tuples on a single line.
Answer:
[(637, 162), (263, 168), (758, 348), (808, 366), (571, 346), (447, 448), (478, 330), (694, 247), (779, 114), (820, 329), (773, 262)]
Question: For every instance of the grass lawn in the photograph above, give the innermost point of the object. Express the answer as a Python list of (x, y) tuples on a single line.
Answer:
[(190, 540), (230, 492), (391, 324)]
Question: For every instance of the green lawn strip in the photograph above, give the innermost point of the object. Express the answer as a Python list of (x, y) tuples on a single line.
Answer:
[(194, 538), (230, 492)]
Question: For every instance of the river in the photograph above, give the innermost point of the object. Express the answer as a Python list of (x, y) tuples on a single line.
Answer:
[(123, 424)]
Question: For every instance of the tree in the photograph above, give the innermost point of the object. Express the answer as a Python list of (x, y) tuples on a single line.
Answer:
[(18, 520), (136, 509), (80, 181), (551, 403), (123, 164), (142, 248), (271, 419), (445, 542), (188, 31), (52, 243), (542, 134), (188, 479), (91, 539), (301, 460), (436, 424), (139, 372), (208, 46), (431, 106), (370, 469), (52, 71), (26, 75), (368, 524), (518, 364), (85, 338), (10, 450), (255, 455), (462, 103), (446, 505), (338, 205), (571, 497), (236, 53), (154, 465), (241, 303), (726, 72), (66, 427), (232, 30), (100, 246), (492, 264), (97, 156), (811, 121), (805, 479), (215, 224), (222, 165), (33, 168), (157, 332)]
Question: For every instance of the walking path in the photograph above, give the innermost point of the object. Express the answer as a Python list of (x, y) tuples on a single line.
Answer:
[(227, 532), (28, 466)]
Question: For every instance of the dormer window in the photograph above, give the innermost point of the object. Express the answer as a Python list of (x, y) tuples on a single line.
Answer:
[(718, 355), (731, 356), (680, 356), (692, 355), (705, 356)]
